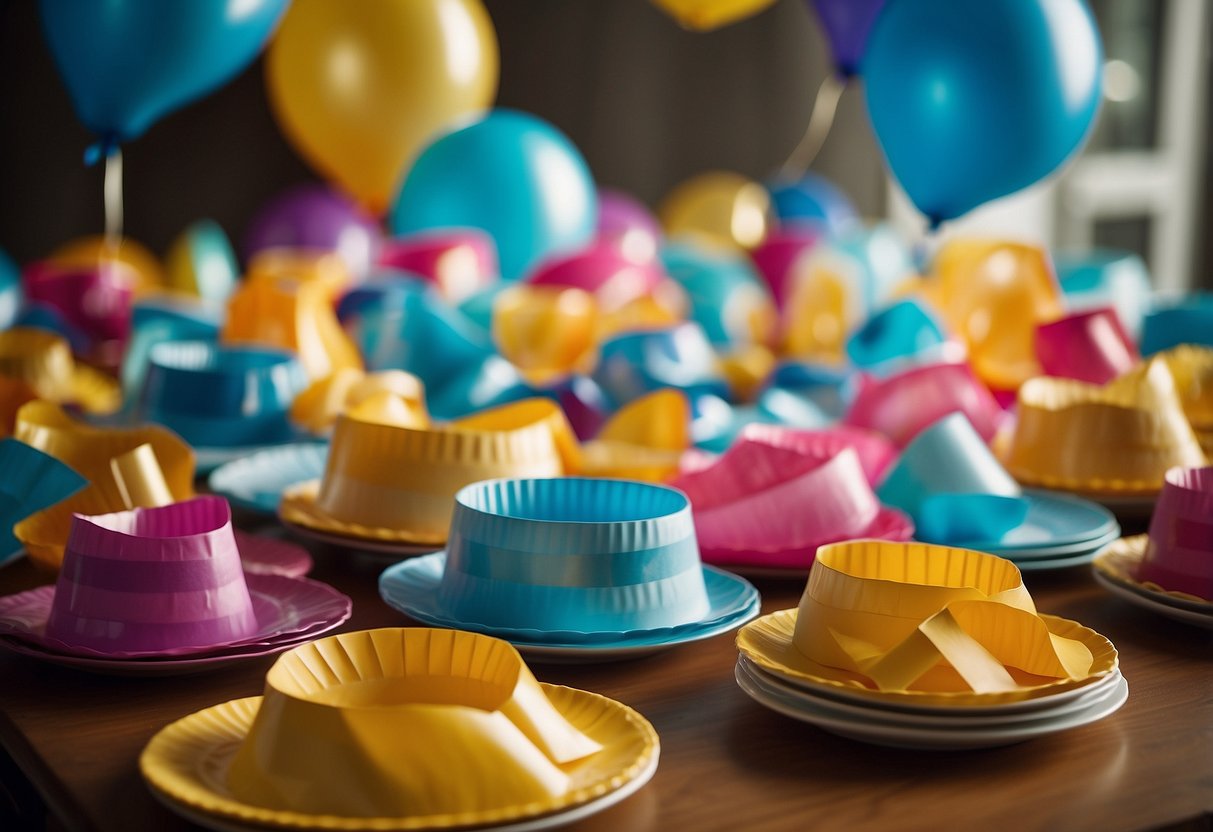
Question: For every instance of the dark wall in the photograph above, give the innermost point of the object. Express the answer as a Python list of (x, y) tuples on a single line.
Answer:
[(648, 104)]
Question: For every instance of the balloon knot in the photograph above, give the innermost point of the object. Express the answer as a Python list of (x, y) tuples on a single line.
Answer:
[(100, 149)]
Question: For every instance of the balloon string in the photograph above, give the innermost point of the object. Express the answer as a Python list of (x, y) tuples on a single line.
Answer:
[(820, 121), (113, 199)]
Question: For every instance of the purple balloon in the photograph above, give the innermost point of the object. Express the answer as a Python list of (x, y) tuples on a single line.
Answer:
[(316, 217), (847, 23), (628, 225)]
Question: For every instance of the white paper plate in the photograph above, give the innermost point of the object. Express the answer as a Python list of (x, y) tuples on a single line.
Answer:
[(924, 738), (1156, 602), (962, 720)]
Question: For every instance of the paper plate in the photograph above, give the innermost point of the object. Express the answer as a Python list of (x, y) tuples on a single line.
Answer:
[(386, 549), (1052, 522), (1049, 564), (185, 666), (186, 765), (412, 588), (1046, 552), (955, 719), (210, 459), (1115, 570), (927, 738), (256, 482), (767, 642), (286, 609), (260, 555)]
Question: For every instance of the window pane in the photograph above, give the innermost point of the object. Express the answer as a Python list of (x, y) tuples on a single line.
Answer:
[(1132, 33), (1125, 233)]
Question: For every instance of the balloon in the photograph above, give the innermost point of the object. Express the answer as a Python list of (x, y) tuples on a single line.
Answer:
[(201, 263), (10, 291), (814, 200), (511, 174), (628, 225), (315, 217), (705, 15), (972, 105), (360, 88), (728, 299), (721, 208), (846, 24), (127, 63)]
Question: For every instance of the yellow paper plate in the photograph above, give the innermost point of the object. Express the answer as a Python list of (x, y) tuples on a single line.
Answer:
[(187, 762), (298, 508), (768, 643), (1119, 563)]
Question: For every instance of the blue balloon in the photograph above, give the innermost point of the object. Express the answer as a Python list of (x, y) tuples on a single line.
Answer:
[(511, 174), (814, 200), (11, 294), (127, 63), (974, 101)]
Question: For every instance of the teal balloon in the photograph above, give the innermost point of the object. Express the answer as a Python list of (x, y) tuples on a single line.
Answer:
[(974, 101), (510, 174), (11, 295), (127, 63)]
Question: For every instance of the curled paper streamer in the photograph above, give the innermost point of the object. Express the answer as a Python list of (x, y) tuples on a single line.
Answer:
[(291, 315), (643, 440), (317, 407), (545, 331), (766, 505), (1117, 439), (906, 615), (30, 481), (336, 713), (387, 482), (42, 362), (90, 450)]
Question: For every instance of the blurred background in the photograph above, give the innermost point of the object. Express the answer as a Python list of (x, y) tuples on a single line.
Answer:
[(649, 105)]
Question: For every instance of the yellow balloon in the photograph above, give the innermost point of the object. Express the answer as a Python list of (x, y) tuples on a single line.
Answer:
[(361, 87), (704, 15), (718, 208)]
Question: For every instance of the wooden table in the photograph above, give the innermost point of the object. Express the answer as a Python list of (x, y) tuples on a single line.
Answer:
[(726, 763)]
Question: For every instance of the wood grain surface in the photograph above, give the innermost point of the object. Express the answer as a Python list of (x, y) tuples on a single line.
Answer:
[(726, 762)]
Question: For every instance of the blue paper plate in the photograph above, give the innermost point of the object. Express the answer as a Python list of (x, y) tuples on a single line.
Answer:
[(411, 587), (255, 482), (1052, 522)]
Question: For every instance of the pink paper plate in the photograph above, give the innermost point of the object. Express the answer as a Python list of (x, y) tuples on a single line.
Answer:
[(287, 610), (766, 505), (876, 453), (153, 666), (261, 555), (902, 405)]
